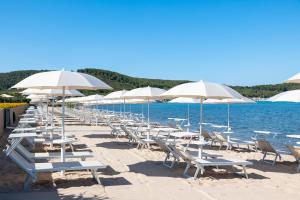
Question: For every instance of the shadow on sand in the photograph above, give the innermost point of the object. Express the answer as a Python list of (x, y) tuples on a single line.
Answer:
[(115, 145), (155, 168)]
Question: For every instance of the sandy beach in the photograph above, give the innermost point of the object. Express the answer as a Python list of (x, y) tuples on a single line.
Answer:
[(136, 174)]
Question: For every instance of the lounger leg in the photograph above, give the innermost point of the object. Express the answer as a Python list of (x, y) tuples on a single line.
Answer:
[(245, 172), (263, 159), (274, 162), (95, 176), (173, 163), (197, 172), (199, 169), (188, 165), (27, 183)]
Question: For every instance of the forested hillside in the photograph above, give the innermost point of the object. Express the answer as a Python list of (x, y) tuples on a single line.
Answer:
[(119, 81)]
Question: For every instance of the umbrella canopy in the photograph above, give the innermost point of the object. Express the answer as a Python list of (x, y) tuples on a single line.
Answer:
[(184, 100), (62, 79), (147, 93), (202, 90), (51, 92), (95, 97), (294, 79), (116, 95), (6, 96), (288, 96), (35, 96)]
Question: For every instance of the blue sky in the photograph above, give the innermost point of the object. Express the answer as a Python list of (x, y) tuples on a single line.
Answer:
[(227, 41)]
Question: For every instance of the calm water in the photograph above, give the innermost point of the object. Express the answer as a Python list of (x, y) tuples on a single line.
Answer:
[(282, 118)]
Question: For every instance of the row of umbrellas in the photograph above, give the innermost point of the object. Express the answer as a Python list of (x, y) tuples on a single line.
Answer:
[(64, 83)]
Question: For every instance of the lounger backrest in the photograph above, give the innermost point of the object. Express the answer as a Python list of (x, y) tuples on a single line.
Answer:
[(295, 151), (24, 152), (22, 163), (180, 153), (205, 134), (219, 137), (162, 145), (127, 132), (265, 146)]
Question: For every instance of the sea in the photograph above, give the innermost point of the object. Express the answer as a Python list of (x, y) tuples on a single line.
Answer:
[(278, 118)]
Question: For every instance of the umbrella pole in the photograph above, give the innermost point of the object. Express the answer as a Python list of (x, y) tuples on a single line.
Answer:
[(52, 111), (63, 129), (142, 113), (228, 118), (201, 118), (200, 132), (188, 118), (124, 108), (47, 113), (148, 135)]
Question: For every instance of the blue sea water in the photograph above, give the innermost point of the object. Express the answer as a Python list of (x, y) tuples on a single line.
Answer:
[(281, 118)]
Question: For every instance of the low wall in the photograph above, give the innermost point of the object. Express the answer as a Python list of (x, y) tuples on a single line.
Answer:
[(1, 121), (15, 114)]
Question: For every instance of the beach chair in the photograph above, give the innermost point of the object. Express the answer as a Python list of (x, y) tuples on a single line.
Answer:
[(141, 142), (267, 149), (31, 169), (51, 155), (295, 151), (168, 151), (200, 164), (187, 156), (231, 142), (208, 137), (115, 131)]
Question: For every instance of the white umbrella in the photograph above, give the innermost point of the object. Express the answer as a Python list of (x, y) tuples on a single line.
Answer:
[(294, 79), (228, 102), (62, 80), (94, 97), (145, 93), (51, 92), (288, 96), (117, 95), (36, 96), (6, 96), (202, 90)]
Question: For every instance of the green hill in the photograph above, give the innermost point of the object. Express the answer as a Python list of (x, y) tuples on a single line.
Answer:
[(119, 81)]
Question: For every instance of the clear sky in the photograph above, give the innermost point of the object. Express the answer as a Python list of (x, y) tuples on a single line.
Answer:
[(239, 42)]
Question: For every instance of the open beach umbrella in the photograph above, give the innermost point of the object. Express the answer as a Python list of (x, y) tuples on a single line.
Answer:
[(6, 96), (228, 102), (64, 80), (201, 90), (94, 97), (145, 93), (294, 79), (117, 95), (288, 96)]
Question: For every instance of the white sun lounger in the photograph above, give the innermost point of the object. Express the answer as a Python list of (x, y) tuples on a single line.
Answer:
[(51, 155), (16, 139), (200, 164), (32, 169)]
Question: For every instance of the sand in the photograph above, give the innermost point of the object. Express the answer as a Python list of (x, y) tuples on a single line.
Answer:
[(139, 174)]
